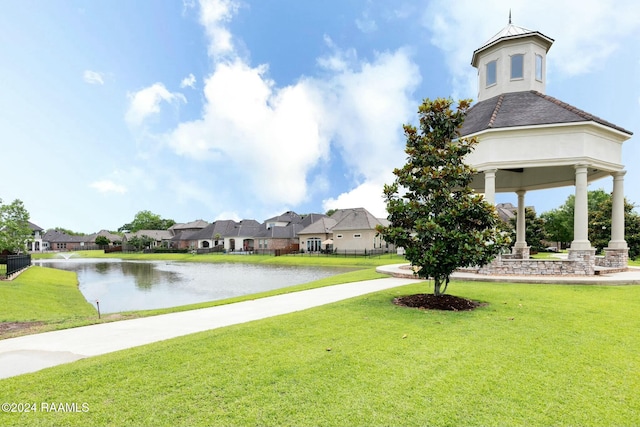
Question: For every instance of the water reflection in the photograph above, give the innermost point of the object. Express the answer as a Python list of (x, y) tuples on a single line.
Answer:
[(139, 285)]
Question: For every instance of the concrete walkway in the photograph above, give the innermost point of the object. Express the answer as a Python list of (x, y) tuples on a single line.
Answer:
[(32, 353)]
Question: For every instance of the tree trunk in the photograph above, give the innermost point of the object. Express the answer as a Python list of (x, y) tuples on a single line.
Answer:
[(438, 281), (437, 284)]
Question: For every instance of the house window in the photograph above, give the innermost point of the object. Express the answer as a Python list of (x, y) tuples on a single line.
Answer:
[(357, 236), (492, 75), (539, 67), (314, 244), (338, 236), (517, 66)]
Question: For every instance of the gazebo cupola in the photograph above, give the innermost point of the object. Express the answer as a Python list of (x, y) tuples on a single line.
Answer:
[(528, 140), (513, 60)]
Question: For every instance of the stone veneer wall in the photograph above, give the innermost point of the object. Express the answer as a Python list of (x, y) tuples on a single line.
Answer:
[(531, 267), (581, 263), (614, 258)]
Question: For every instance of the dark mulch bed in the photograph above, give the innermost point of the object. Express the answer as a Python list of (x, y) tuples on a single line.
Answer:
[(441, 302)]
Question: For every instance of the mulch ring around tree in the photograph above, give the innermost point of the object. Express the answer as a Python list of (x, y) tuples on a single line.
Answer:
[(441, 302)]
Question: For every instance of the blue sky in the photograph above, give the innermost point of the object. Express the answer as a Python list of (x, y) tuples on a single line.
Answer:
[(224, 109)]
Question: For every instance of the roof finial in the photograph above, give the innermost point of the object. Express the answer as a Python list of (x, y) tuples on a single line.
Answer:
[(509, 16)]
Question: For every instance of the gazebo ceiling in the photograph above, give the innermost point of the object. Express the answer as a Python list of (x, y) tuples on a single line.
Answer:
[(535, 178)]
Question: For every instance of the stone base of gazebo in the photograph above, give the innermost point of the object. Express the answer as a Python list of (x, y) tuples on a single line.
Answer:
[(520, 253), (584, 260), (614, 258), (580, 262)]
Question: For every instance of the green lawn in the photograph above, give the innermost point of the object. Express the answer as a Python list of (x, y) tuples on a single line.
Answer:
[(43, 294), (534, 355)]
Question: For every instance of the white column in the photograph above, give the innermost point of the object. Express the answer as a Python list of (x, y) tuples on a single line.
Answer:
[(617, 212), (581, 211), (490, 186), (521, 227)]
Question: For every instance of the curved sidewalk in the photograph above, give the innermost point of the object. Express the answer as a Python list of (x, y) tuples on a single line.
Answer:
[(32, 353)]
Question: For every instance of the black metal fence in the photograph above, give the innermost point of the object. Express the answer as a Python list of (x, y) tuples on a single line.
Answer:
[(347, 253), (11, 264)]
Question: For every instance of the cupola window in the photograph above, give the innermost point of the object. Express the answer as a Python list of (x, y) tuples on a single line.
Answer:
[(517, 65), (539, 67), (491, 73)]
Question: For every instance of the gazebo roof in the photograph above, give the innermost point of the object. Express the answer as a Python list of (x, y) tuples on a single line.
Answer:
[(529, 108), (512, 32)]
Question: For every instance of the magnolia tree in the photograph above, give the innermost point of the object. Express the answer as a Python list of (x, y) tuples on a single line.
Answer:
[(434, 214)]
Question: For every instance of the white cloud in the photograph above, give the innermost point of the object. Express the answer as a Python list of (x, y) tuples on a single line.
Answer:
[(186, 5), (366, 24), (366, 108), (367, 195), (214, 14), (107, 186), (269, 135), (189, 81), (339, 59), (93, 77), (272, 142), (146, 102), (586, 32)]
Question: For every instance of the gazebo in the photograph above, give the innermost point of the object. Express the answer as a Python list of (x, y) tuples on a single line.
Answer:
[(530, 141)]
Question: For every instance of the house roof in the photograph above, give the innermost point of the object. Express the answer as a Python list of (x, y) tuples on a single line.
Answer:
[(197, 224), (34, 227), (290, 231), (245, 228), (112, 237), (322, 226), (528, 108), (309, 219), (226, 228), (287, 217), (55, 236), (506, 211), (154, 234), (354, 219)]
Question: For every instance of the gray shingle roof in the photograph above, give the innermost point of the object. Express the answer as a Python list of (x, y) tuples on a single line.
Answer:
[(321, 226), (157, 235), (354, 219), (112, 237), (190, 225), (55, 236), (528, 108), (223, 227), (289, 231), (288, 216), (35, 227)]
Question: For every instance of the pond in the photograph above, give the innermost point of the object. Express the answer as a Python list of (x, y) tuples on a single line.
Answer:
[(141, 285)]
